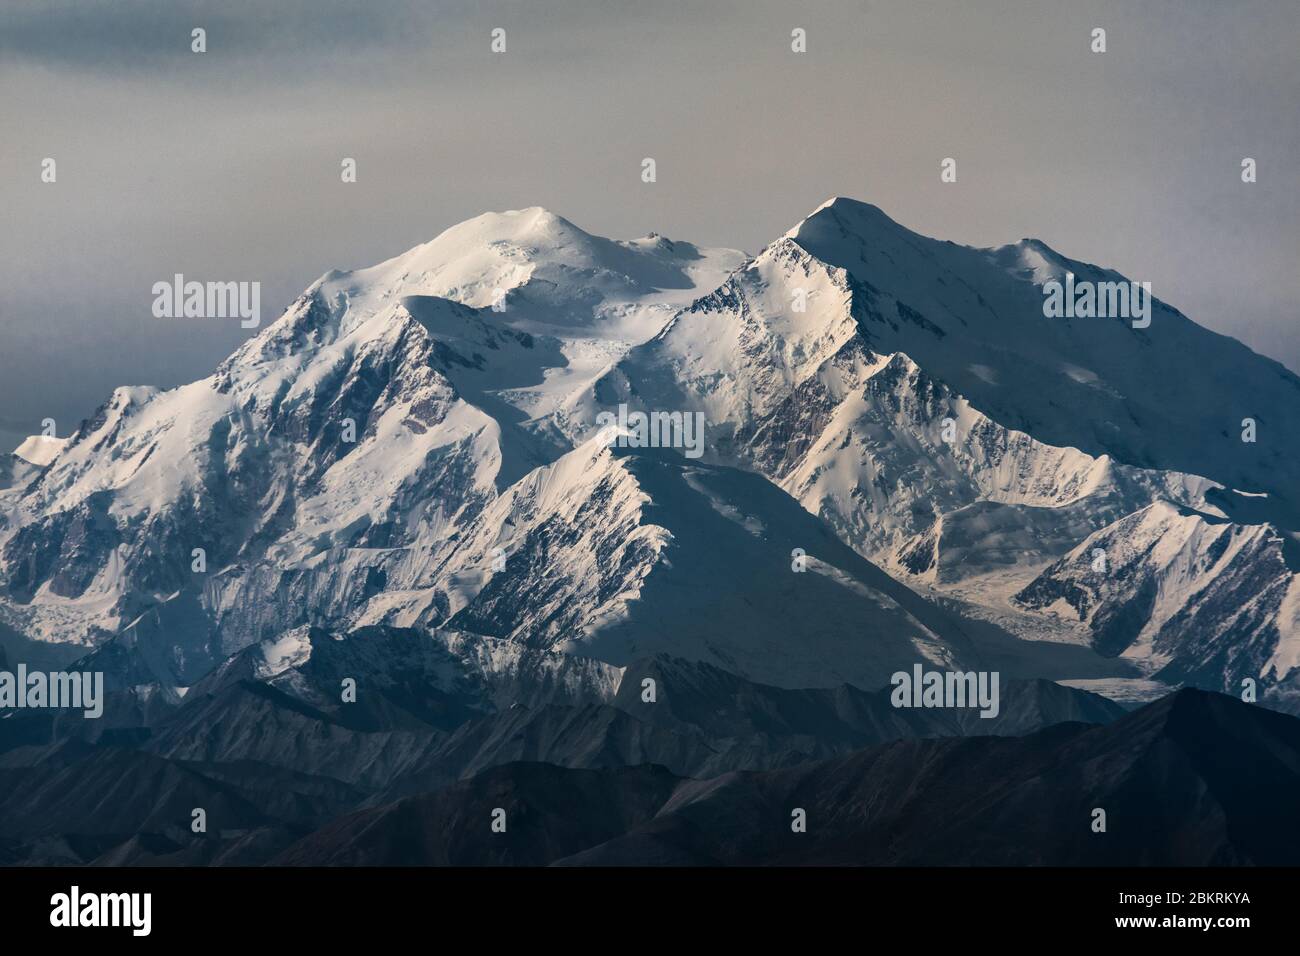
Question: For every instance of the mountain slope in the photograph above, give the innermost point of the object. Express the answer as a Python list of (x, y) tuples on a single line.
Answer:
[(1199, 598), (617, 554)]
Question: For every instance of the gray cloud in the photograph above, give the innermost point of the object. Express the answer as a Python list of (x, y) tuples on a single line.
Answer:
[(144, 36)]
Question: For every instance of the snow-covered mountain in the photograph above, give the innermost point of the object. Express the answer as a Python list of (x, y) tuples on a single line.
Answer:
[(346, 428), (913, 394), (416, 445)]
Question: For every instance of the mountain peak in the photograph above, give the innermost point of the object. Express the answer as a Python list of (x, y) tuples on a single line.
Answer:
[(1192, 714), (1032, 259), (530, 222), (541, 272), (849, 205), (839, 220), (846, 215)]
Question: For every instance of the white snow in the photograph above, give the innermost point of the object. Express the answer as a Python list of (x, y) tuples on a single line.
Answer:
[(40, 449)]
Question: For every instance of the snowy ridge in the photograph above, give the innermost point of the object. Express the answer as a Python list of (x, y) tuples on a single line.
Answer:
[(1194, 597), (1170, 396)]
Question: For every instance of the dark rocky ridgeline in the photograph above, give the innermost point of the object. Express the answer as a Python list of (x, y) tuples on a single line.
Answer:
[(550, 812), (1194, 779), (273, 758)]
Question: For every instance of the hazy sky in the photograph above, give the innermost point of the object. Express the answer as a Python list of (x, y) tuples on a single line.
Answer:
[(225, 165)]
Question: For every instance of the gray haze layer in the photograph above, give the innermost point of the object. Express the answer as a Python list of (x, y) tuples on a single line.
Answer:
[(225, 165)]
